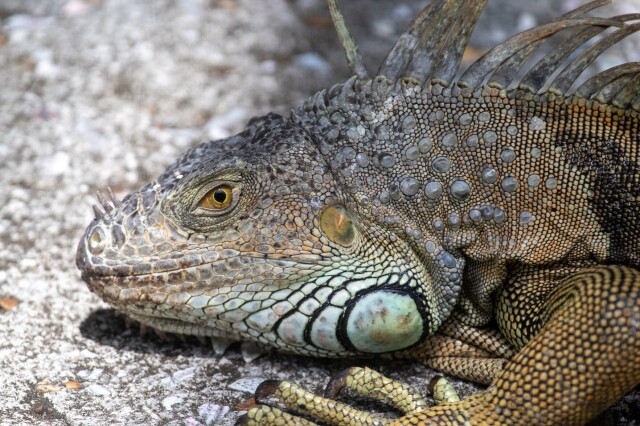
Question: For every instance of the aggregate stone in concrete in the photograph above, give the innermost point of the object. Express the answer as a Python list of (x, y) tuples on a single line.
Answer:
[(97, 93)]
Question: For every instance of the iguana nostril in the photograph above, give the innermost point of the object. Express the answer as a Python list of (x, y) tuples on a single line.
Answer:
[(96, 241)]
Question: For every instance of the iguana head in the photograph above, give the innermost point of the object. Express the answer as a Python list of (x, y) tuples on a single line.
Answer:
[(253, 238)]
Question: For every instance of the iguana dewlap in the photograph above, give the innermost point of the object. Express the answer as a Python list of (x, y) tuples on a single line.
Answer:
[(486, 226)]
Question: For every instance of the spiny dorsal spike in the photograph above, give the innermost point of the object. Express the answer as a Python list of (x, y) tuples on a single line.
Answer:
[(600, 80), (625, 96), (398, 57), (483, 67), (504, 75), (450, 54), (103, 202), (356, 63), (635, 103), (586, 8), (563, 82), (115, 200), (99, 214), (608, 92), (537, 76), (440, 22)]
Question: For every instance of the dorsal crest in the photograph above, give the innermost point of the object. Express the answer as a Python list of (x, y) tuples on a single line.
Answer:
[(431, 49)]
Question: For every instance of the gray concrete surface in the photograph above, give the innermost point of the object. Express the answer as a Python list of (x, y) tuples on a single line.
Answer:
[(97, 93)]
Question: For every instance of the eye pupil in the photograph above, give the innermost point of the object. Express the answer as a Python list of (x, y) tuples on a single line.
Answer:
[(220, 195), (217, 198)]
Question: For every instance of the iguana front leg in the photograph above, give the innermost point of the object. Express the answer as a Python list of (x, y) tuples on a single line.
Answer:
[(585, 356)]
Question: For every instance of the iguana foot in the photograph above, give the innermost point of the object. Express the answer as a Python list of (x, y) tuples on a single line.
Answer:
[(363, 381), (367, 382), (442, 391), (264, 415)]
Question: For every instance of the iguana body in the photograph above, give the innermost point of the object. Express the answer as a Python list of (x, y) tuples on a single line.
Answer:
[(407, 215)]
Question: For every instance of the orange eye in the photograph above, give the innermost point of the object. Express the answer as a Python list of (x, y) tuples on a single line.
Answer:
[(216, 199)]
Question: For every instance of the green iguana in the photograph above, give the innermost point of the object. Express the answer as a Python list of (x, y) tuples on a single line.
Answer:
[(485, 225)]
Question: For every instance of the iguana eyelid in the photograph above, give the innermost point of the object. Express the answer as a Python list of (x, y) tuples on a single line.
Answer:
[(195, 208)]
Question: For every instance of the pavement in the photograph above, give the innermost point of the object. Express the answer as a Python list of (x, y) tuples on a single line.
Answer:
[(98, 93)]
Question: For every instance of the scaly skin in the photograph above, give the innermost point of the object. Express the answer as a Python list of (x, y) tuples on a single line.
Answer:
[(396, 215)]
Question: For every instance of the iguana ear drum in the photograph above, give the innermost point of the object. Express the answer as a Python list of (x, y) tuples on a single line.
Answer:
[(382, 320), (336, 224)]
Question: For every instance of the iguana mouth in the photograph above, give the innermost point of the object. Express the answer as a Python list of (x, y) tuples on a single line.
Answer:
[(146, 269), (178, 326), (120, 286), (219, 340)]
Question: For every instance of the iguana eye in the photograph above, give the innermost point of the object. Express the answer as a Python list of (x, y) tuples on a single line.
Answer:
[(217, 198)]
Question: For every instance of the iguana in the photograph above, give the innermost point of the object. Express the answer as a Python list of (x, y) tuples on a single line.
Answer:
[(484, 225)]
